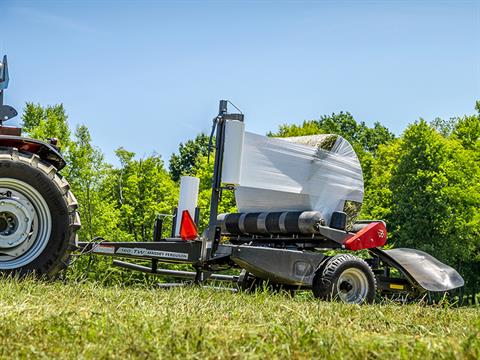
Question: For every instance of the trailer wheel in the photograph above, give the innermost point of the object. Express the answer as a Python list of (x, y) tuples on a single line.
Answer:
[(346, 278), (38, 217), (247, 282)]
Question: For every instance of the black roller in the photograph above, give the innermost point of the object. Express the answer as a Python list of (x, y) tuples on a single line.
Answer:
[(250, 223), (265, 223), (289, 222), (230, 223), (272, 222)]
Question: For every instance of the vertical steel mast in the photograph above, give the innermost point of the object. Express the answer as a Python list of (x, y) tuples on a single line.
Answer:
[(212, 237)]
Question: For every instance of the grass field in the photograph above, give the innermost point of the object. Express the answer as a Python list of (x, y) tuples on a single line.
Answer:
[(56, 320)]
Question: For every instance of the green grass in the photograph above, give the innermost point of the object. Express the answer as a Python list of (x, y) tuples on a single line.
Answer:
[(54, 320)]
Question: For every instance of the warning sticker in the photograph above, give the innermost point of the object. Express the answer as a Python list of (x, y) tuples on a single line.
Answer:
[(104, 249), (152, 253)]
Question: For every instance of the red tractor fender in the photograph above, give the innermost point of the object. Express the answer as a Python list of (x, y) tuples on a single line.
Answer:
[(47, 152)]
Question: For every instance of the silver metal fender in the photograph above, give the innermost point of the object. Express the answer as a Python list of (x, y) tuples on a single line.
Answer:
[(421, 268)]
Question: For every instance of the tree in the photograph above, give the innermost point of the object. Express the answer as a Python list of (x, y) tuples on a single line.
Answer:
[(188, 155), (142, 190), (444, 127), (47, 122), (87, 173), (378, 199), (467, 131), (436, 196)]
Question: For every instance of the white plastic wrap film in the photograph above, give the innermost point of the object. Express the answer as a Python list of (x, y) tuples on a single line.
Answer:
[(298, 174), (233, 152), (188, 198)]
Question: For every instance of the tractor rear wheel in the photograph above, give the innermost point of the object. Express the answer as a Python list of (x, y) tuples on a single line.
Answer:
[(346, 278), (38, 216)]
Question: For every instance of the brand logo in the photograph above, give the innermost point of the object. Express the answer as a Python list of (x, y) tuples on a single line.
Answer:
[(152, 253)]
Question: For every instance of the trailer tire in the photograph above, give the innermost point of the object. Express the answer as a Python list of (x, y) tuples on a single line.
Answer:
[(248, 283), (38, 216), (346, 278)]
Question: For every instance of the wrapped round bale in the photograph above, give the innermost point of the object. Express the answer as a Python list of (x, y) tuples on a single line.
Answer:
[(307, 173)]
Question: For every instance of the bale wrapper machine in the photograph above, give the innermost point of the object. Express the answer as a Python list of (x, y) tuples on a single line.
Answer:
[(287, 248)]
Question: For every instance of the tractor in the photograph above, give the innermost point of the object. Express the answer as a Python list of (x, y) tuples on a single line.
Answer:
[(38, 212)]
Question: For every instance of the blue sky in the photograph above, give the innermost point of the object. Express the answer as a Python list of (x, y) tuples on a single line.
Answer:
[(148, 74)]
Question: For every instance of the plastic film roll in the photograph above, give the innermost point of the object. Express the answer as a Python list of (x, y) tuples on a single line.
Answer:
[(233, 152), (188, 198)]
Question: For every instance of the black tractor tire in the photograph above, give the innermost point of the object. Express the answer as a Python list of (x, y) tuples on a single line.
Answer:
[(346, 278), (48, 256)]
